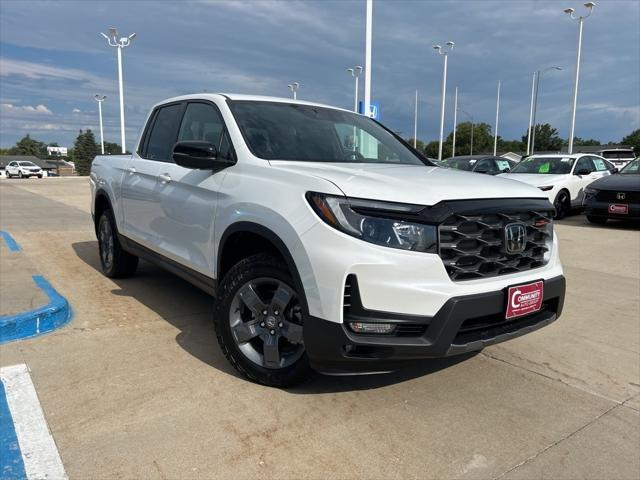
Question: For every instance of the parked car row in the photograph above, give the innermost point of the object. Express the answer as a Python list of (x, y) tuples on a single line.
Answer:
[(570, 181)]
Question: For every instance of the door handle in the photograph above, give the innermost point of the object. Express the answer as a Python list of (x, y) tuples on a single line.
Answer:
[(131, 170), (164, 178)]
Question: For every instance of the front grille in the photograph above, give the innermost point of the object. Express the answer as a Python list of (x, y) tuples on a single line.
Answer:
[(611, 196), (472, 246)]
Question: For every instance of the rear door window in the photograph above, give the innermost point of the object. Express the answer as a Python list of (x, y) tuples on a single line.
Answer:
[(164, 133)]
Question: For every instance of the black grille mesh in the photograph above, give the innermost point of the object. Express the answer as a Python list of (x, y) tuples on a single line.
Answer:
[(472, 246), (612, 196)]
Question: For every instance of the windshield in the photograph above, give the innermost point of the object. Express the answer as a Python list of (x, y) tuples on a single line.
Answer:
[(632, 167), (460, 163), (544, 165), (285, 131), (27, 164)]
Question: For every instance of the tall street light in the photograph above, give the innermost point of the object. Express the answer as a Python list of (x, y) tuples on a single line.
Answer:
[(355, 73), (533, 90), (495, 135), (455, 123), (445, 53), (367, 59), (571, 12), (415, 123), (532, 127), (294, 88), (100, 98), (119, 44), (472, 127)]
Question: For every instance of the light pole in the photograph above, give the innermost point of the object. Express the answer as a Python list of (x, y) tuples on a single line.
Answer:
[(537, 76), (495, 135), (472, 127), (415, 123), (100, 98), (355, 73), (570, 12), (119, 43), (367, 59), (455, 123), (533, 89), (294, 88), (445, 54)]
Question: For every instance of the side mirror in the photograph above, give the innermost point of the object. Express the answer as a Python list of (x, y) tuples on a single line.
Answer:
[(583, 171), (198, 155)]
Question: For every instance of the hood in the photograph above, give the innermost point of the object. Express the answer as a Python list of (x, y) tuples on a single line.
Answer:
[(629, 182), (535, 179), (415, 184)]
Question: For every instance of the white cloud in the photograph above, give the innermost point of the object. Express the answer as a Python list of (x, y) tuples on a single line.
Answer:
[(38, 109), (76, 110)]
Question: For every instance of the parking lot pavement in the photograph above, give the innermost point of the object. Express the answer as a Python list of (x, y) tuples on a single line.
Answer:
[(136, 386)]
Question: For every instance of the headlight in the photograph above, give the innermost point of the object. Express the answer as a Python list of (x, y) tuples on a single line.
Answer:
[(380, 223), (590, 190), (545, 189)]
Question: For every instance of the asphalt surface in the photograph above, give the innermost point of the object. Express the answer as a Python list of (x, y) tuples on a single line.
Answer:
[(136, 386)]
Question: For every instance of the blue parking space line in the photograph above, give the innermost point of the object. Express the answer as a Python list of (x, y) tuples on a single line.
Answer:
[(11, 463), (40, 320), (9, 241)]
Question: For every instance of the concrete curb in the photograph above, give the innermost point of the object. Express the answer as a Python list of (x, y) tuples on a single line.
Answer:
[(39, 320)]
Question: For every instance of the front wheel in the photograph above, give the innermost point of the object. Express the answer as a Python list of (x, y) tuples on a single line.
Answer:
[(259, 321), (562, 204), (20, 175)]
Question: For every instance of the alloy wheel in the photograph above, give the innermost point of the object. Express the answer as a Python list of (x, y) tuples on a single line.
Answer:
[(266, 323)]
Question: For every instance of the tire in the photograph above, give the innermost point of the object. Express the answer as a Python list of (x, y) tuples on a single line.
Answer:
[(115, 262), (597, 220), (244, 332), (562, 204), (20, 175), (39, 176)]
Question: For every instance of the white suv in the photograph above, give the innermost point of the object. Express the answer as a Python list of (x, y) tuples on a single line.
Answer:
[(23, 169), (328, 242)]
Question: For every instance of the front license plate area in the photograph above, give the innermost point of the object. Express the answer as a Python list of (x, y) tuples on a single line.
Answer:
[(524, 299), (619, 208)]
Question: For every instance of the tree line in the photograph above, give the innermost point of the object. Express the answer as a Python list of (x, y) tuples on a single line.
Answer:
[(546, 139), (85, 148)]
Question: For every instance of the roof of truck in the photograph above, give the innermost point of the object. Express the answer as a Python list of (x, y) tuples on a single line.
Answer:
[(252, 98)]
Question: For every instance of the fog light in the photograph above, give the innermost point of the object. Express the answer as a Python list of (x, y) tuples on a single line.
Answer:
[(381, 328)]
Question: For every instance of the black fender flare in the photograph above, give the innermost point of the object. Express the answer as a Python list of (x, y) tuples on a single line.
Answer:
[(271, 236)]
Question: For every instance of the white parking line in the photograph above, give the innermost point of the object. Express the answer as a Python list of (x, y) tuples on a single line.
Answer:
[(39, 453)]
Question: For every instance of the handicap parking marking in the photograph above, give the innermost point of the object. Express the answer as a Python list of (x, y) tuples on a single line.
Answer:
[(12, 245), (30, 452)]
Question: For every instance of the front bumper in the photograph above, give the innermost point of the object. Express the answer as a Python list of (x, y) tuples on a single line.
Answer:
[(596, 208), (463, 324)]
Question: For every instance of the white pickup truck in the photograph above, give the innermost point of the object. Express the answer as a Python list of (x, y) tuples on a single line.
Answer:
[(328, 242)]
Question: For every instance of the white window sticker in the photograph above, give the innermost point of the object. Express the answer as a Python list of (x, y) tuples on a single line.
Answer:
[(565, 159), (472, 161)]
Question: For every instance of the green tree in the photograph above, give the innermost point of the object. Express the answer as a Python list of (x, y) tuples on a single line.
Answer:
[(581, 142), (547, 138), (85, 149), (29, 146), (633, 140), (482, 139), (111, 148), (511, 145)]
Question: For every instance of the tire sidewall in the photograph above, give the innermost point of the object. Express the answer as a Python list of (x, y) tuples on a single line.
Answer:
[(106, 217), (258, 266), (564, 211)]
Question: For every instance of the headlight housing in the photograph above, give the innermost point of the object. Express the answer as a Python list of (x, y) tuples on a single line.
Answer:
[(590, 190), (393, 225)]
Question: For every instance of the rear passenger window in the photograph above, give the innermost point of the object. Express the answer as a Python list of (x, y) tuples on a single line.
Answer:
[(163, 133)]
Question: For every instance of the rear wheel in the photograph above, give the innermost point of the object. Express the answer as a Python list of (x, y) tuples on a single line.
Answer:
[(562, 204), (597, 220), (115, 262), (259, 322)]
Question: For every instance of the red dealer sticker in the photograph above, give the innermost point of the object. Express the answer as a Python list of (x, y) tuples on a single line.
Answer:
[(619, 208), (524, 299)]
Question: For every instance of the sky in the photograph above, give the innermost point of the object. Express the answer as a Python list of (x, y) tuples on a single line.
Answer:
[(53, 61)]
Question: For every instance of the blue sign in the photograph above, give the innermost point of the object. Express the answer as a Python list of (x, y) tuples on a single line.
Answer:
[(374, 109)]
